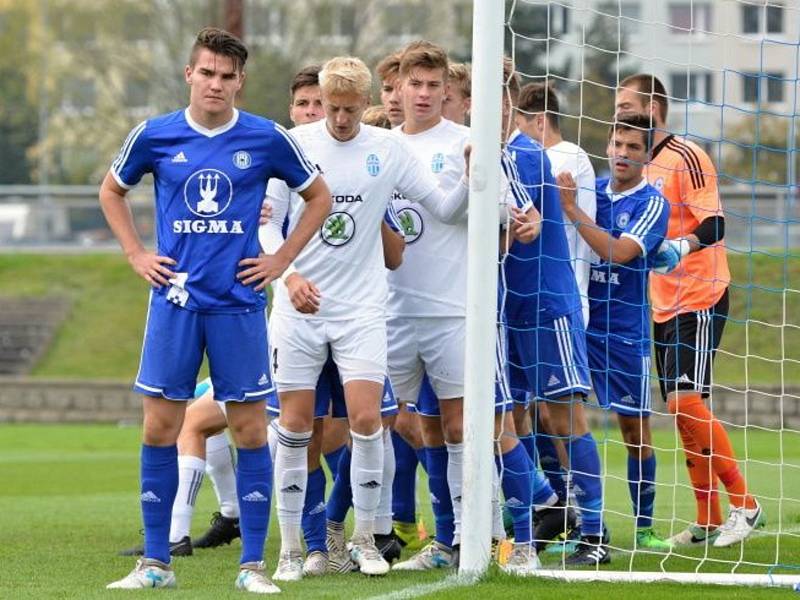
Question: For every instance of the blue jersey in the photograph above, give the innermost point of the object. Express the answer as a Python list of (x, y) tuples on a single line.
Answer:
[(209, 187), (539, 280), (618, 302)]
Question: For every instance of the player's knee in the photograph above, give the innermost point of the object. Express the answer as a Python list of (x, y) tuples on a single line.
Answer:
[(365, 423), (453, 430)]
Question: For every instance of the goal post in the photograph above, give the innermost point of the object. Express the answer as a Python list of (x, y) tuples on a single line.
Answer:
[(481, 327)]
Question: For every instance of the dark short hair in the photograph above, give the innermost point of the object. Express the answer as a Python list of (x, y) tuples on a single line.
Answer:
[(305, 77), (389, 66), (539, 98), (650, 87), (221, 42), (634, 122)]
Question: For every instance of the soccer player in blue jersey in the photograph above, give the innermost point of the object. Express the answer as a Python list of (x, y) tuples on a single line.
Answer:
[(211, 164), (632, 221), (546, 336)]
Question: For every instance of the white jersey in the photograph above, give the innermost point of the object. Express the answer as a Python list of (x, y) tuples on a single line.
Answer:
[(345, 260), (566, 156), (432, 281)]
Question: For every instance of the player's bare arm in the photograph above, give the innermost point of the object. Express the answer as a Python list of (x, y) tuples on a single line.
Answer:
[(393, 246), (268, 267), (525, 226), (148, 265), (608, 248)]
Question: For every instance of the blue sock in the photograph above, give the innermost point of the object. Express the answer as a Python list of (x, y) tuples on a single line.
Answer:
[(529, 444), (542, 490), (254, 489), (159, 484), (551, 465), (440, 495), (516, 470), (585, 469), (641, 483), (313, 521), (404, 487), (422, 457), (341, 498), (333, 457)]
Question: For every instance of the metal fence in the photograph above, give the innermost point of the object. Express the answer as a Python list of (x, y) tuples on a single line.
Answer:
[(56, 218)]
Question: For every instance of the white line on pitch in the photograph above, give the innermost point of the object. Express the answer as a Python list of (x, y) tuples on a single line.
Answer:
[(415, 591)]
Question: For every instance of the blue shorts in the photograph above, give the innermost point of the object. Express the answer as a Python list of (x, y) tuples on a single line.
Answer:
[(620, 375), (175, 340), (427, 403), (329, 396), (550, 360)]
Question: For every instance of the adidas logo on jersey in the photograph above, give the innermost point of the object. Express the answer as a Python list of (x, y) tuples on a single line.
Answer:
[(553, 380), (626, 399), (149, 496), (263, 380), (255, 496), (180, 157)]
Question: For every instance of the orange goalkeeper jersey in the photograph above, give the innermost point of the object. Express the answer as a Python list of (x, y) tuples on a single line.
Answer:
[(685, 175)]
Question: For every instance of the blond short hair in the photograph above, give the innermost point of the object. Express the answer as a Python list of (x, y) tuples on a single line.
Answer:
[(460, 75), (389, 67), (376, 115), (345, 75)]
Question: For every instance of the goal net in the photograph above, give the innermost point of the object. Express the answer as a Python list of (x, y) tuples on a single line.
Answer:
[(730, 69)]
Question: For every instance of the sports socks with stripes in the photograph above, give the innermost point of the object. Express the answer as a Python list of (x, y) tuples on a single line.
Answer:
[(190, 477), (291, 480), (221, 470)]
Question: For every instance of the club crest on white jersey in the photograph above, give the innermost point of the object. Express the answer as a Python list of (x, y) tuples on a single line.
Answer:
[(338, 229), (412, 224), (437, 162), (208, 192), (373, 165)]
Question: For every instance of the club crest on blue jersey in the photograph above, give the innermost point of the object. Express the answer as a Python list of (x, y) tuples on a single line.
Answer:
[(623, 219), (412, 224), (373, 165), (338, 229), (242, 159), (208, 192), (437, 162)]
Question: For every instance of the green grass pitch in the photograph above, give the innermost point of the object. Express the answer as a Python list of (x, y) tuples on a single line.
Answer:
[(69, 502)]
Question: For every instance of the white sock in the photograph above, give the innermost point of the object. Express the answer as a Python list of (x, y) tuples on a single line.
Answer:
[(272, 439), (366, 476), (455, 480), (498, 529), (383, 516), (291, 480), (190, 477), (221, 469)]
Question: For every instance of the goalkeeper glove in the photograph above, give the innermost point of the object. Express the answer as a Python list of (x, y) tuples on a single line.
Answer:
[(670, 254)]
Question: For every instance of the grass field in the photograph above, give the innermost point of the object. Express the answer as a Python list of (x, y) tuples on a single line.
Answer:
[(69, 501), (101, 339)]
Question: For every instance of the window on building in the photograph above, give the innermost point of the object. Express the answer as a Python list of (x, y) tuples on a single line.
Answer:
[(774, 19), (78, 96), (137, 93), (335, 20), (687, 17), (462, 19), (404, 21), (763, 87), (266, 22), (762, 19), (694, 87)]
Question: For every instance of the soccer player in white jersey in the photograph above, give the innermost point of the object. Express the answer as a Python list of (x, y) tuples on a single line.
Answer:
[(388, 71), (211, 163), (537, 116), (341, 274), (458, 97)]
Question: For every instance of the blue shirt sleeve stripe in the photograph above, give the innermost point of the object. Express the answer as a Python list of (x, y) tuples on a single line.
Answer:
[(119, 163)]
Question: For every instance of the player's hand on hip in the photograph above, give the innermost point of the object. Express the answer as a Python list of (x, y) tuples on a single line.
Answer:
[(567, 190), (262, 270), (303, 294), (266, 213), (152, 268)]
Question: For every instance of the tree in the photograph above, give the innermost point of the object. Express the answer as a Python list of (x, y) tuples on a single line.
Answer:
[(756, 149)]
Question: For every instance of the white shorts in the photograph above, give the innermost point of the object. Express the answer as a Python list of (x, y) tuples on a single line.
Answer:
[(419, 345), (299, 349)]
